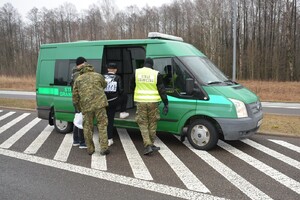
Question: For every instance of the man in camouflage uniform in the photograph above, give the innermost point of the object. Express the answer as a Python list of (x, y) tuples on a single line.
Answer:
[(90, 99), (148, 92)]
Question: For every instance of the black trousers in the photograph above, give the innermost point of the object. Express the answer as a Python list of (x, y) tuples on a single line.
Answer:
[(78, 136), (111, 111)]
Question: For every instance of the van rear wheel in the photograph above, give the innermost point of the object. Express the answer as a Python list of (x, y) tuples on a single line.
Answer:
[(202, 134), (63, 126)]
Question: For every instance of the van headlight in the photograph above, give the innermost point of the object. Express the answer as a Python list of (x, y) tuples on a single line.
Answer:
[(240, 108)]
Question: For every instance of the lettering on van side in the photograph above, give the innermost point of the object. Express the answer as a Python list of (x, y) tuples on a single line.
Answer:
[(146, 78), (67, 92)]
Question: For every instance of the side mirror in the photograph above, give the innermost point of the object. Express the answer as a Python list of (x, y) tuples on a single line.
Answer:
[(189, 86)]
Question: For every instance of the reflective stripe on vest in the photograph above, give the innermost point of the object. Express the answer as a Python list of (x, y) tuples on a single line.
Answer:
[(146, 89)]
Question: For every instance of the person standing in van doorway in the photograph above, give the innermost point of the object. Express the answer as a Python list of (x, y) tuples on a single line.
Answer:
[(149, 90), (78, 137), (90, 99), (115, 96)]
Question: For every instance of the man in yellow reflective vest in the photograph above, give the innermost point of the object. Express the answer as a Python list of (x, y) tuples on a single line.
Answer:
[(148, 92)]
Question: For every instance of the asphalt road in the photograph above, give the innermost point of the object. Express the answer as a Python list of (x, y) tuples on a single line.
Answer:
[(38, 163)]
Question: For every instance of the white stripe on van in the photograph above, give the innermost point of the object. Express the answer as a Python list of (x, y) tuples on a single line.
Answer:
[(182, 171), (6, 115), (13, 122), (98, 161), (273, 173), (287, 145), (39, 141), (274, 154), (137, 164), (64, 149), (242, 184), (15, 137)]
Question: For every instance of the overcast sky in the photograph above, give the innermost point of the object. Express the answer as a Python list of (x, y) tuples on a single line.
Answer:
[(23, 6)]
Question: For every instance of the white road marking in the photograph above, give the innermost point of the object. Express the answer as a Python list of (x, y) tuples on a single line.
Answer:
[(13, 122), (15, 137), (272, 153), (17, 93), (64, 149), (98, 161), (6, 115), (276, 175), (133, 182), (137, 164), (39, 141), (183, 172), (242, 184), (287, 145)]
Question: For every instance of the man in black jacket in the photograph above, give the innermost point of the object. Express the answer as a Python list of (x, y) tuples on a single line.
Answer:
[(115, 96)]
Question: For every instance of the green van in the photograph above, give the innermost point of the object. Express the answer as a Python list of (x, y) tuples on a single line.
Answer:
[(204, 105)]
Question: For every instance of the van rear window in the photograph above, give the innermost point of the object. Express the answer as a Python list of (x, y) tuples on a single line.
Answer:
[(63, 71)]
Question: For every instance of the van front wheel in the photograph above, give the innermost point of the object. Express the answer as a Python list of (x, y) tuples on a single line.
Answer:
[(63, 126), (202, 134)]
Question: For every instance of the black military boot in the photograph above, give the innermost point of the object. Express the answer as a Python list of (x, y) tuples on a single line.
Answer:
[(155, 148), (104, 152), (148, 150)]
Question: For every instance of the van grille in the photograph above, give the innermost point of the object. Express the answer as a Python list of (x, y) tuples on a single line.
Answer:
[(255, 107)]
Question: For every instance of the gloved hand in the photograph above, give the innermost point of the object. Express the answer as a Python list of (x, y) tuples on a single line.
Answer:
[(165, 110)]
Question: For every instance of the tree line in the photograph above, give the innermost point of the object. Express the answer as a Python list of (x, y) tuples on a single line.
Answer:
[(268, 32)]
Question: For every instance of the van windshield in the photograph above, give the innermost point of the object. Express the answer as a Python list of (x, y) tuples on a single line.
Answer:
[(205, 70)]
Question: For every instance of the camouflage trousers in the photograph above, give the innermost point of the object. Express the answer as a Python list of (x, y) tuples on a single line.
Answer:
[(147, 115), (88, 129)]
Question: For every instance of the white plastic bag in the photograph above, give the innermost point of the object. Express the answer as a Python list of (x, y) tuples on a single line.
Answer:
[(78, 120)]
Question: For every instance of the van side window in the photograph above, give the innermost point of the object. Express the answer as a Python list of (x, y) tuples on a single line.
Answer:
[(174, 76), (62, 72)]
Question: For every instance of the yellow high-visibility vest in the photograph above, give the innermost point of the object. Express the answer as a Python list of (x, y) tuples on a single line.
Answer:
[(145, 89)]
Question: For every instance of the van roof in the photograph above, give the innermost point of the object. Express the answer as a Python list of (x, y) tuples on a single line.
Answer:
[(155, 47), (105, 42)]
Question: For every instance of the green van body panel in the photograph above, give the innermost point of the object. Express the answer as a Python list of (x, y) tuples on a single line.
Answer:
[(172, 48), (216, 106)]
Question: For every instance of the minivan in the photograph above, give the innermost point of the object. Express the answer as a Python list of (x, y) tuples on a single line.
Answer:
[(204, 105)]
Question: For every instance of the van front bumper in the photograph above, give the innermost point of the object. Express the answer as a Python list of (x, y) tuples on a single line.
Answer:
[(236, 129)]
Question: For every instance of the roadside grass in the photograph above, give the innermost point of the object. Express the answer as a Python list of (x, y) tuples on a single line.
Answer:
[(17, 103), (267, 91), (24, 83), (280, 125), (274, 91)]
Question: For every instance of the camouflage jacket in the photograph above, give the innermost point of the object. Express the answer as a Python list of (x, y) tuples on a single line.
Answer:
[(75, 74), (88, 90)]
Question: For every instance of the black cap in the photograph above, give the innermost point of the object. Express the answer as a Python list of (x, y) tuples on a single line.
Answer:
[(80, 60), (148, 62), (111, 66)]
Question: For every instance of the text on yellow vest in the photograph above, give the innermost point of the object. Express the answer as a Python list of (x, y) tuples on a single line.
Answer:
[(145, 89)]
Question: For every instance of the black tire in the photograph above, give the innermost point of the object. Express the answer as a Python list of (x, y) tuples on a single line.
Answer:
[(202, 134), (62, 126)]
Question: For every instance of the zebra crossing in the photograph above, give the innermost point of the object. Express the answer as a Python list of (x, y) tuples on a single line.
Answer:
[(181, 161)]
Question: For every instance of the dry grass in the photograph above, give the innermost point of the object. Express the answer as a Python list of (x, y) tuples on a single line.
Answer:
[(266, 90), (25, 83), (275, 91), (281, 125), (18, 103)]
